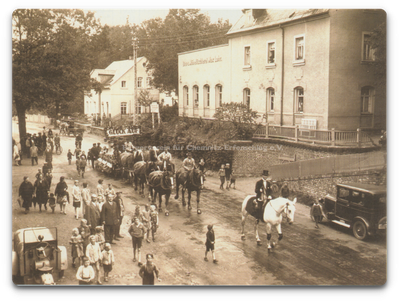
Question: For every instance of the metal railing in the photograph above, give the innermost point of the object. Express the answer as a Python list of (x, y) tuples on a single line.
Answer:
[(327, 137)]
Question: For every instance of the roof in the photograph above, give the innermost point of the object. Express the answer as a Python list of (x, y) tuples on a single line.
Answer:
[(271, 17), (369, 188), (116, 70)]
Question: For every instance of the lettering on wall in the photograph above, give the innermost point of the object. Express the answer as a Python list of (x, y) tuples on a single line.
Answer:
[(202, 61)]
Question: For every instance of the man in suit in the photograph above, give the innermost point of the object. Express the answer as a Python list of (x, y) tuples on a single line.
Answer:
[(263, 186), (121, 210), (109, 218)]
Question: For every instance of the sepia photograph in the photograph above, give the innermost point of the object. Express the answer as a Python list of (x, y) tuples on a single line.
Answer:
[(208, 147)]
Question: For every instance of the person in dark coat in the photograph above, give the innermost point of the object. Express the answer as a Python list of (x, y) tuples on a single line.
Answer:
[(262, 186), (121, 209), (26, 190), (109, 218), (61, 194), (92, 214), (210, 244), (41, 192), (148, 271)]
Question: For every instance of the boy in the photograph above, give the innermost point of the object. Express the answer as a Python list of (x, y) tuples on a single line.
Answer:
[(69, 156), (108, 260), (222, 175), (317, 213), (136, 230), (51, 202), (85, 273), (210, 244)]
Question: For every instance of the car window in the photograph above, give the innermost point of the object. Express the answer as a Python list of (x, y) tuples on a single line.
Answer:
[(358, 198), (343, 193)]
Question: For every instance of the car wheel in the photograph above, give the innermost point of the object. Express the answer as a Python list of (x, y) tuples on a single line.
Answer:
[(359, 230)]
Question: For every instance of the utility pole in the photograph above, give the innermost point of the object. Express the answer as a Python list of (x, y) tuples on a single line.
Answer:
[(133, 106)]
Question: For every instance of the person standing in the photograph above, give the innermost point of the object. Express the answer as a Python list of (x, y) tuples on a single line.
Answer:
[(121, 212), (109, 190), (51, 202), (77, 162), (78, 141), (82, 164), (48, 155), (222, 176), (76, 198), (149, 270), (76, 243), (85, 273), (210, 244), (92, 214), (69, 156), (33, 154), (228, 175), (61, 193), (317, 213), (108, 260), (100, 191), (154, 220), (41, 192), (85, 198), (93, 252), (109, 218), (136, 231), (48, 177), (26, 190), (147, 220)]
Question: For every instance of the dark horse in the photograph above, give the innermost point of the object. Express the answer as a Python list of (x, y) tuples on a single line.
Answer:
[(127, 162), (159, 182), (192, 180), (141, 170)]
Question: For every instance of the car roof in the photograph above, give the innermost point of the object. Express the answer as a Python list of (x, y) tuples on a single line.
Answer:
[(369, 188)]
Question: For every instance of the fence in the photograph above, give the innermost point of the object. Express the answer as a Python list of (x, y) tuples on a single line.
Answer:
[(38, 118), (329, 165), (327, 137)]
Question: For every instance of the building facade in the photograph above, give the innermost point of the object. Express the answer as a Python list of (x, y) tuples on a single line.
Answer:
[(291, 66), (117, 96)]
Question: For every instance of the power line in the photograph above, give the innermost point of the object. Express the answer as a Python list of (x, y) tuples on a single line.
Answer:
[(224, 31)]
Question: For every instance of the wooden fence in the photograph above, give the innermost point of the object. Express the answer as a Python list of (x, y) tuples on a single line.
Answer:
[(326, 137)]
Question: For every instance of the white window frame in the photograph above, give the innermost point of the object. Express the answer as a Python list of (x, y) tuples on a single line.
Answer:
[(370, 100), (139, 82), (247, 97), (299, 99), (123, 84), (270, 98), (148, 82), (297, 60), (123, 108), (196, 96), (207, 96), (369, 57), (218, 95), (186, 96), (268, 47), (247, 56)]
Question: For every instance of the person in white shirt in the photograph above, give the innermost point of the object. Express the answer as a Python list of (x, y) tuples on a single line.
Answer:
[(93, 253), (85, 273), (108, 260), (76, 197)]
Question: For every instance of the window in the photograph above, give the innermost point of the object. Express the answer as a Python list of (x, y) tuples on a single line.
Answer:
[(123, 84), (207, 96), (270, 98), (299, 99), (123, 108), (343, 193), (148, 82), (185, 95), (247, 56), (195, 96), (139, 82), (299, 51), (247, 97), (367, 51), (218, 95), (271, 52), (367, 94)]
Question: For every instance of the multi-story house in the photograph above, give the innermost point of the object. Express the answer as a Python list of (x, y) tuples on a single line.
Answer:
[(118, 89), (291, 65)]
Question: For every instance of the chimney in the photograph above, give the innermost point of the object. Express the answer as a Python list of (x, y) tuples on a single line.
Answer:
[(256, 13)]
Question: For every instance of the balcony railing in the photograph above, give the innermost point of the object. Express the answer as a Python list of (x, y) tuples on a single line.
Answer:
[(327, 137)]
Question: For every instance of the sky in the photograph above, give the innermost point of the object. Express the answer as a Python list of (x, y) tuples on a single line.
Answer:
[(113, 17)]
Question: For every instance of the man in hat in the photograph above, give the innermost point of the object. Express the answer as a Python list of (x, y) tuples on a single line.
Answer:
[(121, 212), (92, 214), (26, 191), (262, 186), (109, 218)]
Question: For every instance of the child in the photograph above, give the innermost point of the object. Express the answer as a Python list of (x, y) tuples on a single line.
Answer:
[(51, 202), (108, 260), (154, 221), (84, 231), (316, 213), (99, 236), (69, 156), (147, 220), (222, 175), (210, 244), (76, 242), (136, 231), (228, 175)]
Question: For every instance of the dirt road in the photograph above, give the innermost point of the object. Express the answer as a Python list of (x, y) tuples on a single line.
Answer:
[(306, 256)]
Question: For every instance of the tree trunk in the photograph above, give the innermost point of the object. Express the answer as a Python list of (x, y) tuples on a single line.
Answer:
[(22, 127)]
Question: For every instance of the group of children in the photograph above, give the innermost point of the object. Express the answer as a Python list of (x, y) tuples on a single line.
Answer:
[(226, 174)]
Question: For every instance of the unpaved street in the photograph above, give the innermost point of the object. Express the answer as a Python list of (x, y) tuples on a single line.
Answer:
[(306, 256)]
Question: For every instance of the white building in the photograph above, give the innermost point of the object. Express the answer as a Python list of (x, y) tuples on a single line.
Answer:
[(117, 96)]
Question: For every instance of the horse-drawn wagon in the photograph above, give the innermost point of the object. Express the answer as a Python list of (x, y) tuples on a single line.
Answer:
[(68, 127)]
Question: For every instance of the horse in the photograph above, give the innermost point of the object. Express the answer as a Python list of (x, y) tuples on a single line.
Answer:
[(159, 182), (271, 214), (141, 170), (127, 162), (192, 180)]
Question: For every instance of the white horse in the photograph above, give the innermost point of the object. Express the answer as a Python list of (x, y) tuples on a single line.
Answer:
[(272, 216)]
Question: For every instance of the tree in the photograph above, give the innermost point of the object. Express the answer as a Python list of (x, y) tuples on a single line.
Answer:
[(242, 118), (379, 45), (161, 40), (52, 60)]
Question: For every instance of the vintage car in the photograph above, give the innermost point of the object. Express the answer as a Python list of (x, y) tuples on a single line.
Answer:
[(37, 258), (360, 207)]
